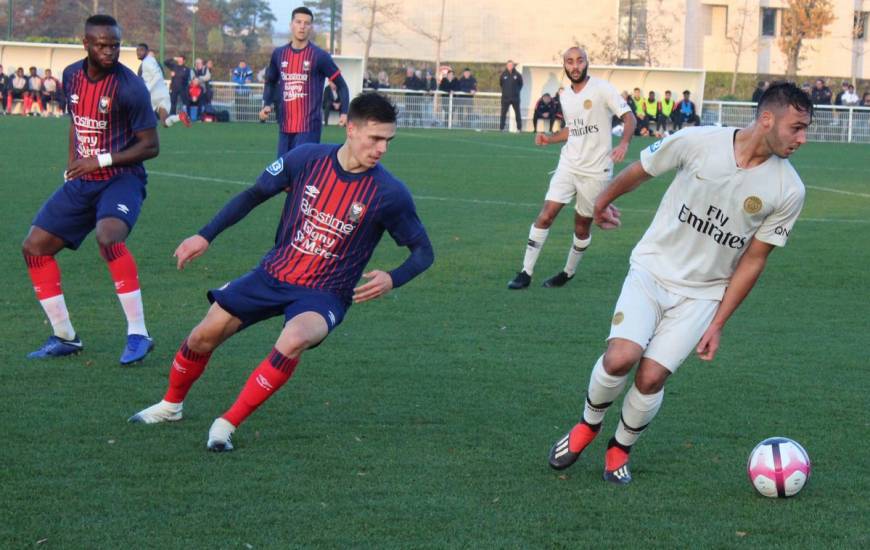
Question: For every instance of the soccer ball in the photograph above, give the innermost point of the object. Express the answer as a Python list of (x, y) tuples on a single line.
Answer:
[(778, 467)]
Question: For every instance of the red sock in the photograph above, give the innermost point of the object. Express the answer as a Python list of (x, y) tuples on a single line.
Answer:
[(28, 103), (122, 266), (186, 368), (45, 275), (272, 373)]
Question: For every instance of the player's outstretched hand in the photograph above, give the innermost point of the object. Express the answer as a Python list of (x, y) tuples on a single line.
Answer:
[(379, 284), (342, 120), (190, 248), (618, 153), (82, 167), (264, 113), (709, 343), (541, 140), (607, 217)]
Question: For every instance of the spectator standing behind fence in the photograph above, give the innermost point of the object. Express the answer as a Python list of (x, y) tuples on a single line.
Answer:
[(850, 98), (383, 81), (429, 83), (865, 101), (821, 94), (686, 112), (448, 85), (759, 90), (545, 109), (178, 83), (331, 101), (195, 99), (511, 82), (202, 73), (838, 99), (242, 77), (368, 83), (467, 88), (412, 102)]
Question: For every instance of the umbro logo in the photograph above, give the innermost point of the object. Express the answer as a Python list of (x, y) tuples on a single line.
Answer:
[(312, 191), (123, 208), (264, 382), (74, 99)]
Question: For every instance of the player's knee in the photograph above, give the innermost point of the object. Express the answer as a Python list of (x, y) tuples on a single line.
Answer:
[(620, 358), (648, 382), (108, 238), (544, 220), (34, 247), (201, 340)]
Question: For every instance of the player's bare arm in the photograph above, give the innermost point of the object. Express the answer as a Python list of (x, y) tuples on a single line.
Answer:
[(189, 249), (628, 125), (379, 283), (546, 139), (146, 147), (606, 216), (746, 274)]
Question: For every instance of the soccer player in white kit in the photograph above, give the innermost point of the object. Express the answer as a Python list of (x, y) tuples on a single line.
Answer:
[(151, 73), (585, 165), (734, 198)]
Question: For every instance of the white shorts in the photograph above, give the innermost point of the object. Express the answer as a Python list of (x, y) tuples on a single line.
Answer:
[(159, 101), (565, 186), (666, 325)]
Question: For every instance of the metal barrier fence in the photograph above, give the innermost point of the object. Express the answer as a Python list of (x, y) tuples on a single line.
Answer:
[(482, 111), (833, 124)]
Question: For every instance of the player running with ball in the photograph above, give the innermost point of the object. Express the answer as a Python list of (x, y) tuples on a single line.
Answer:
[(734, 198)]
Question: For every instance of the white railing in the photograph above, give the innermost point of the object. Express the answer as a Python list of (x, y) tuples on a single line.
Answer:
[(482, 112), (831, 123)]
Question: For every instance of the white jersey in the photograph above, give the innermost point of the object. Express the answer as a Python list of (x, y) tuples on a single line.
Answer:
[(588, 117), (153, 77), (712, 210)]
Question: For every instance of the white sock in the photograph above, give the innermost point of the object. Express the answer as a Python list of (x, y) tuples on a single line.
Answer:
[(170, 120), (58, 316), (604, 388), (638, 410), (131, 302), (576, 252), (537, 238)]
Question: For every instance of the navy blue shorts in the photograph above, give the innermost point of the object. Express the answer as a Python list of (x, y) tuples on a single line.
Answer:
[(257, 296), (75, 208), (289, 141)]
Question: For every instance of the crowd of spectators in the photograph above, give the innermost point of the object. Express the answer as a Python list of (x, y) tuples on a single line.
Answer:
[(31, 94)]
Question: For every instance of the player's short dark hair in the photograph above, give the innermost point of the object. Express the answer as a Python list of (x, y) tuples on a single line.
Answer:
[(784, 94), (101, 21), (372, 106), (143, 45), (304, 11)]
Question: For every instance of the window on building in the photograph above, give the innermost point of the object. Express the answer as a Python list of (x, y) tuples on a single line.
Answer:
[(632, 29), (768, 21), (859, 26)]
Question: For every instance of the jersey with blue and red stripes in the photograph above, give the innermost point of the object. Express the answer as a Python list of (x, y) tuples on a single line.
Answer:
[(333, 219), (296, 79), (106, 114)]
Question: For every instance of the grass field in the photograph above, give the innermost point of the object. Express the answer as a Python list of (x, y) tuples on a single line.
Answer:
[(426, 418)]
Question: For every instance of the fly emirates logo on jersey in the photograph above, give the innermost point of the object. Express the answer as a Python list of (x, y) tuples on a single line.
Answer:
[(578, 127), (321, 232), (713, 225), (88, 131)]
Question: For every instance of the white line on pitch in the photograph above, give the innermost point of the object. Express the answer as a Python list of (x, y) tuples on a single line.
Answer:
[(467, 201)]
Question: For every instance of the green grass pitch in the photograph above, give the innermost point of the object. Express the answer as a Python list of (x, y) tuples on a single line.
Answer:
[(426, 418)]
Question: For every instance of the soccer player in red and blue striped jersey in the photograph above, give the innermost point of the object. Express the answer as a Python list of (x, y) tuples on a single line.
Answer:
[(295, 80), (112, 132), (339, 202)]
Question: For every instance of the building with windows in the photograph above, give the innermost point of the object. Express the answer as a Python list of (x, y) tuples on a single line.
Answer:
[(690, 34)]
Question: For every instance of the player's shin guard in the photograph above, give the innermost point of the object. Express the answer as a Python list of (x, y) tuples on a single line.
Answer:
[(638, 410), (45, 276), (576, 253), (537, 238), (122, 267), (270, 375), (603, 389), (187, 367)]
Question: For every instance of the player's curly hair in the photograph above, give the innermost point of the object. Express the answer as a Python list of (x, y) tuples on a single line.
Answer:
[(372, 106), (783, 94), (100, 20)]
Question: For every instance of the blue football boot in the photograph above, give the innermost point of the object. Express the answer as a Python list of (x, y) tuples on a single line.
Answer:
[(56, 346), (138, 346)]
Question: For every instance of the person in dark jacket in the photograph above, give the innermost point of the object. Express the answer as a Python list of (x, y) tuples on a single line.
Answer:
[(449, 85), (466, 88), (545, 109), (331, 101), (179, 83), (511, 82)]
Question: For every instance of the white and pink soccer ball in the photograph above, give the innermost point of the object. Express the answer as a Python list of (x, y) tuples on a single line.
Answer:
[(778, 467)]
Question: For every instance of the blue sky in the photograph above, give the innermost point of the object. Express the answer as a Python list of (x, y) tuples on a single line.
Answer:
[(282, 10)]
